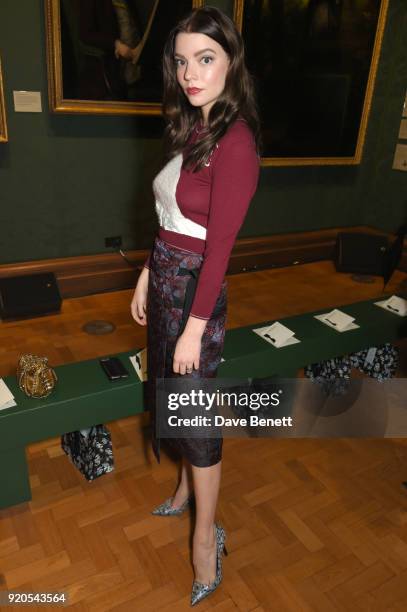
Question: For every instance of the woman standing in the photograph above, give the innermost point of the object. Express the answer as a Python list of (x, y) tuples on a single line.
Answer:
[(202, 196)]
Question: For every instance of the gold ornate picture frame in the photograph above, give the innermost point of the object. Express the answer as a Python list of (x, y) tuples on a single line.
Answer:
[(315, 67), (86, 76), (3, 121)]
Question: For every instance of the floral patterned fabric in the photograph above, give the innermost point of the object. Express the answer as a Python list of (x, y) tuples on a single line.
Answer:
[(92, 454), (333, 375), (379, 362), (171, 272)]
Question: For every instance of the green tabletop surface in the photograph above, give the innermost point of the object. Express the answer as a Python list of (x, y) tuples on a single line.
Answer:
[(247, 354), (83, 396)]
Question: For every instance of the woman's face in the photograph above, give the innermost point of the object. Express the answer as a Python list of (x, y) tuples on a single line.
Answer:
[(201, 65)]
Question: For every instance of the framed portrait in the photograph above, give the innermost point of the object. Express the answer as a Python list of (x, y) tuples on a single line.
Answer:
[(314, 64), (3, 122), (104, 56)]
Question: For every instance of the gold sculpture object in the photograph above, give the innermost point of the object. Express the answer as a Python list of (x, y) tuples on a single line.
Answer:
[(35, 377)]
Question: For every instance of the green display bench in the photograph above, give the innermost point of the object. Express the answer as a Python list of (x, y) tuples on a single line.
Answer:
[(246, 354), (84, 396)]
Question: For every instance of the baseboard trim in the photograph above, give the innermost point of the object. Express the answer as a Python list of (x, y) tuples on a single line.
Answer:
[(89, 274)]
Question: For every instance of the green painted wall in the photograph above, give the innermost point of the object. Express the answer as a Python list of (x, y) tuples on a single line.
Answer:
[(68, 181)]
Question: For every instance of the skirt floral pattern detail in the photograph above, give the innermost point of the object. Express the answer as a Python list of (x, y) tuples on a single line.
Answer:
[(168, 281)]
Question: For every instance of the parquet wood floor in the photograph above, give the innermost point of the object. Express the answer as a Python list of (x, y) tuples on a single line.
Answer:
[(312, 525)]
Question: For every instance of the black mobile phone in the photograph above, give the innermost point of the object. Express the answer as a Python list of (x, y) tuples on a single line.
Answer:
[(113, 367)]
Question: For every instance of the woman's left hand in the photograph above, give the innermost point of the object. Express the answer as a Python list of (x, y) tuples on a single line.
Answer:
[(187, 354)]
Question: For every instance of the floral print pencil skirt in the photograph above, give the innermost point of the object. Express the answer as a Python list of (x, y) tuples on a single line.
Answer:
[(171, 271)]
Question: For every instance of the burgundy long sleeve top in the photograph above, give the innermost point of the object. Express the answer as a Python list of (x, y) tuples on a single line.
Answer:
[(207, 208)]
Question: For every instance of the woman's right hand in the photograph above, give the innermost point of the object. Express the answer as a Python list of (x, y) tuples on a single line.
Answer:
[(139, 302)]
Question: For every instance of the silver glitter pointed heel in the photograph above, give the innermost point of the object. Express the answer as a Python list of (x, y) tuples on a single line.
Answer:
[(165, 509), (200, 590)]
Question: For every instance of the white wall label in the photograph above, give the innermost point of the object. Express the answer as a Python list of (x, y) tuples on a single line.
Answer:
[(403, 129), (400, 158), (27, 101)]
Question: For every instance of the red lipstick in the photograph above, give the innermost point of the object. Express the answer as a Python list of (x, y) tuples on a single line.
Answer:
[(193, 90)]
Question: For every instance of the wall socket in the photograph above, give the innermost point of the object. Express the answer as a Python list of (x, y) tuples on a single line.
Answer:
[(115, 242)]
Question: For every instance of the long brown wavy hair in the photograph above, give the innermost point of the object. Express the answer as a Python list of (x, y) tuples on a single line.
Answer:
[(237, 99)]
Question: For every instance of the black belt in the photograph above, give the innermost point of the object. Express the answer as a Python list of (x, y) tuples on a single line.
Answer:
[(186, 303)]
